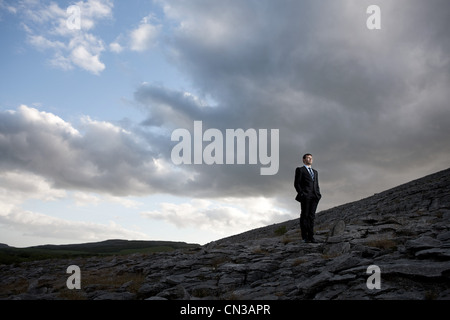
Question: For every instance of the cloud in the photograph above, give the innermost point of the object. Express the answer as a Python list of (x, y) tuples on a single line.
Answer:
[(17, 187), (370, 105), (143, 37), (98, 157), (365, 103), (223, 216), (115, 47), (84, 199), (9, 8), (48, 29), (86, 60), (140, 39), (33, 224)]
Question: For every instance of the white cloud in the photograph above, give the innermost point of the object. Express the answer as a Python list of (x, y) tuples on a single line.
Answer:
[(86, 60), (123, 201), (60, 61), (88, 199), (9, 8), (85, 198), (115, 47), (18, 187), (43, 226), (98, 157), (94, 10), (46, 25), (222, 216), (143, 37), (42, 43), (39, 119), (140, 39)]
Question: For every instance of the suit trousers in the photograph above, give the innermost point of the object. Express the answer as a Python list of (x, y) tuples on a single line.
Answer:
[(307, 216)]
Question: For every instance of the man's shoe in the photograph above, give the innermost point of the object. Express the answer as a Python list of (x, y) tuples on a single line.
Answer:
[(312, 240)]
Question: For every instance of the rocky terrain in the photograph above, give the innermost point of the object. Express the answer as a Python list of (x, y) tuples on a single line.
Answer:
[(405, 231)]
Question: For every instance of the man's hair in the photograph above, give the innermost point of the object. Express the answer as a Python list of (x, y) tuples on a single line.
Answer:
[(306, 154)]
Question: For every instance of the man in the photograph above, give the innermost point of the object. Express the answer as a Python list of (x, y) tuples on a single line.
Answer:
[(306, 184)]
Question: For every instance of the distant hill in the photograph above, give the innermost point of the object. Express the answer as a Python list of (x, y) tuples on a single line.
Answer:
[(10, 255), (117, 246)]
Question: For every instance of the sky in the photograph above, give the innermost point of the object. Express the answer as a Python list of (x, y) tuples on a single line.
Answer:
[(92, 91)]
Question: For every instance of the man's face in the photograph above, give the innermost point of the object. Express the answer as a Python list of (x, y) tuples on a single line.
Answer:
[(308, 160)]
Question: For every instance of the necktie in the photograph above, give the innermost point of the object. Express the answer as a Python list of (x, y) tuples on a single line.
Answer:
[(311, 173)]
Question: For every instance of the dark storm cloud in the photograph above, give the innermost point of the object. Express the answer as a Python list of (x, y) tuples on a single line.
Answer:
[(371, 105)]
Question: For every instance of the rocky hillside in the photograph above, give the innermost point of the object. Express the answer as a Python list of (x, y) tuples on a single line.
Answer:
[(404, 231)]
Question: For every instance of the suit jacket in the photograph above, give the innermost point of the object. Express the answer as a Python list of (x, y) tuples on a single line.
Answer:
[(306, 187)]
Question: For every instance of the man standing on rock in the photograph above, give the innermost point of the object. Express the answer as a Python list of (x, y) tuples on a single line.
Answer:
[(306, 184)]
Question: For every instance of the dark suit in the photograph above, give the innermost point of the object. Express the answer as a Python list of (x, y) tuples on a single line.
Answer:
[(308, 194)]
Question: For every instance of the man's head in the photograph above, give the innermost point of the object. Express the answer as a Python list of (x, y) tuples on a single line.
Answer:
[(307, 159)]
